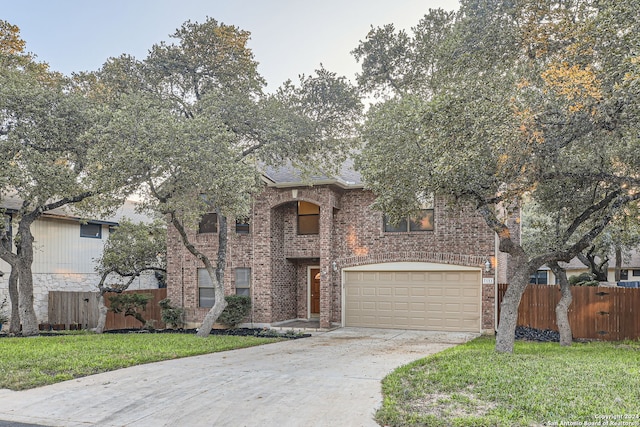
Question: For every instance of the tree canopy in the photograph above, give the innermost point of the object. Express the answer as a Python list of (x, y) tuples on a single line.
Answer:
[(48, 156), (193, 122), (505, 100)]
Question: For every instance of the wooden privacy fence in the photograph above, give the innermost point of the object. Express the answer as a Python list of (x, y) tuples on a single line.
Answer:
[(598, 312), (81, 308)]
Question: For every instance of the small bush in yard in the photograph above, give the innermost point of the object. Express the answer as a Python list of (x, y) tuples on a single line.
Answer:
[(584, 279), (237, 309), (172, 316), (130, 305)]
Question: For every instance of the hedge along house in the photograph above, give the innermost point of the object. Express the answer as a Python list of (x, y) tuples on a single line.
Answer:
[(321, 252)]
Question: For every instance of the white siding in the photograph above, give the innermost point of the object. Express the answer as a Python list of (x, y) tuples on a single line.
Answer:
[(59, 249)]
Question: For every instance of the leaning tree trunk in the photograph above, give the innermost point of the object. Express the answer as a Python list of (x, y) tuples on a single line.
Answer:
[(505, 338), (14, 326), (102, 289), (25, 277), (25, 302), (217, 277), (102, 313), (562, 309)]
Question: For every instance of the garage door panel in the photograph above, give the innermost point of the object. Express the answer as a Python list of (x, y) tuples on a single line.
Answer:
[(434, 291), (385, 305), (368, 305), (368, 291), (453, 292), (426, 300)]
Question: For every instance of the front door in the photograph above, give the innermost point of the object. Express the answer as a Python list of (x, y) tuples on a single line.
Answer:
[(314, 289)]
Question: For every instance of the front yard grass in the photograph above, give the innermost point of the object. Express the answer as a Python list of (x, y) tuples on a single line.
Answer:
[(594, 383), (36, 361)]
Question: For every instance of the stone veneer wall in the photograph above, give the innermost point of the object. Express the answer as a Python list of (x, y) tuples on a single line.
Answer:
[(43, 283)]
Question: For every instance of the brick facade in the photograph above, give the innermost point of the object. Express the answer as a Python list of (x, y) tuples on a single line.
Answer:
[(351, 234)]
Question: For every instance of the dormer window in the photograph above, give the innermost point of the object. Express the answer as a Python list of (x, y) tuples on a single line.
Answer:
[(308, 218)]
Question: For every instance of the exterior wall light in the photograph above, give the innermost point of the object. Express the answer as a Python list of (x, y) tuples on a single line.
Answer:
[(487, 266)]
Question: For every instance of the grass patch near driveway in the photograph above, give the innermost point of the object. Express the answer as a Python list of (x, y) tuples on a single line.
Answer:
[(539, 384), (36, 361)]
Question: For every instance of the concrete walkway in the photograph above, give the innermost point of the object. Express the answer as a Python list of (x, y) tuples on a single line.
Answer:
[(330, 379)]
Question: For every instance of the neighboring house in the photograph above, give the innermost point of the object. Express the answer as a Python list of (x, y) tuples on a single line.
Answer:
[(630, 271), (322, 252), (65, 249)]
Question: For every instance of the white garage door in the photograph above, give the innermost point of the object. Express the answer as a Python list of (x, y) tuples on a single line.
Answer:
[(423, 300)]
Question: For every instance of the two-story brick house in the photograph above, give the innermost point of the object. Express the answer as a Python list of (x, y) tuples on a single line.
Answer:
[(322, 252)]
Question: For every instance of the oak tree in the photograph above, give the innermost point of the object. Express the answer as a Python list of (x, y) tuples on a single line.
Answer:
[(503, 101), (49, 159), (200, 128), (130, 250)]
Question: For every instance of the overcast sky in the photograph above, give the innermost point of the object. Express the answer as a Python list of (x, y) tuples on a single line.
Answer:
[(288, 37)]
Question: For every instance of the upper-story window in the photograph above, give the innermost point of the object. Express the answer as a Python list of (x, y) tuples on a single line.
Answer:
[(242, 226), (422, 221), (91, 230), (308, 218), (208, 223)]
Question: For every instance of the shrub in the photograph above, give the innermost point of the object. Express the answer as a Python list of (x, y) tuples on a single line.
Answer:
[(130, 305), (237, 309), (172, 316), (583, 279)]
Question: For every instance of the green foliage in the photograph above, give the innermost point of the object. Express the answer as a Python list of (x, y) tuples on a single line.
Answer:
[(131, 304), (133, 248), (237, 309), (504, 101), (203, 94), (471, 385), (36, 361), (583, 279), (172, 316)]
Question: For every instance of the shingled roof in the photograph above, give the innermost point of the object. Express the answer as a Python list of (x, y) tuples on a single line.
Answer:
[(127, 210), (290, 176)]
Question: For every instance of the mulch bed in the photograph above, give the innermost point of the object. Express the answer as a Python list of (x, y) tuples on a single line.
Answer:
[(242, 332), (532, 334)]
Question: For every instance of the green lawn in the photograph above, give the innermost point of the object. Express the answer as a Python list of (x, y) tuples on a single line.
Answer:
[(539, 384), (36, 361)]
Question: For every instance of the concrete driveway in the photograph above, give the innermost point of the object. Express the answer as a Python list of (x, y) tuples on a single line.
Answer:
[(330, 379)]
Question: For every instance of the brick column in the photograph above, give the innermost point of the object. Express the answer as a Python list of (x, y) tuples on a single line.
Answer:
[(261, 264), (326, 233)]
